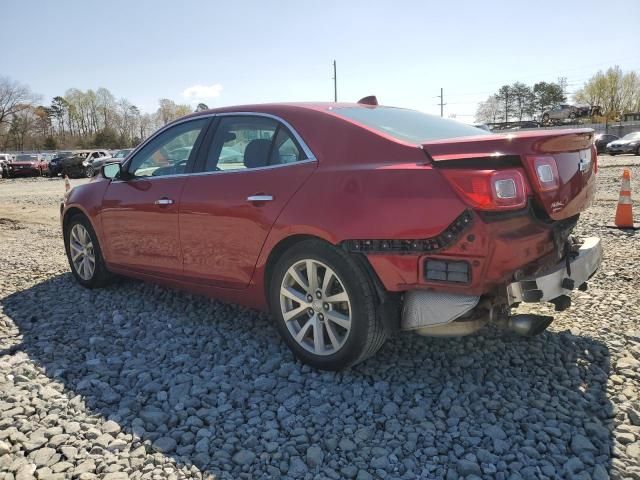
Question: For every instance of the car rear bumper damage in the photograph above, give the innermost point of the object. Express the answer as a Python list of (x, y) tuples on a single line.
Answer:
[(561, 279), (451, 314)]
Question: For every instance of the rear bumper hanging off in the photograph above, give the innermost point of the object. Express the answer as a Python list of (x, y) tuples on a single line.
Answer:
[(558, 281)]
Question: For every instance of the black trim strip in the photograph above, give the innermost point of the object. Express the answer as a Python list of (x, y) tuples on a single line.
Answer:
[(481, 163), (405, 247)]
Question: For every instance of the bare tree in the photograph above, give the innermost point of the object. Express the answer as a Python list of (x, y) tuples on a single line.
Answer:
[(14, 97)]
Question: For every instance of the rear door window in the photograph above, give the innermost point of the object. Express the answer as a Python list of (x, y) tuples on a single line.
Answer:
[(247, 142)]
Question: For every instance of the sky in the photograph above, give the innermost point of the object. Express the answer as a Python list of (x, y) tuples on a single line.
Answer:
[(238, 52)]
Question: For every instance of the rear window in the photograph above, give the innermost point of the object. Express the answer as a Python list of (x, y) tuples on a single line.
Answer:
[(408, 125)]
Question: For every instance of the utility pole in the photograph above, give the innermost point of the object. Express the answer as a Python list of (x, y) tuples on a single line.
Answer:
[(335, 83), (442, 104)]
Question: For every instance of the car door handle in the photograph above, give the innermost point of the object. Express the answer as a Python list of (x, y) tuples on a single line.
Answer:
[(260, 198), (164, 201)]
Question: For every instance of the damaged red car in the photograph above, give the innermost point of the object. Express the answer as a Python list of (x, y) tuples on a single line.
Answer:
[(348, 222)]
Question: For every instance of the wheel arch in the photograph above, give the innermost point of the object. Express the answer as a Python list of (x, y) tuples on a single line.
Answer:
[(383, 297), (276, 253), (73, 210)]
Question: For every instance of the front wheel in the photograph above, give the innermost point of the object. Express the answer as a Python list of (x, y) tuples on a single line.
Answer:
[(84, 253), (89, 172), (325, 306)]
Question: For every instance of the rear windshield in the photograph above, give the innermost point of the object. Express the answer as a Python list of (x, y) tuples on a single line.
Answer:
[(408, 125)]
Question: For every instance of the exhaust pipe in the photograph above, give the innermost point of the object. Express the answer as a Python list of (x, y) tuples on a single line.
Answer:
[(528, 325)]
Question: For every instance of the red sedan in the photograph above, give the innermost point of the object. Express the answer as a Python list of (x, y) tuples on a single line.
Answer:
[(347, 221), (28, 164)]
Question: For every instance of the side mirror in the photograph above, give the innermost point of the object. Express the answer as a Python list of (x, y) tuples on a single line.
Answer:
[(111, 170)]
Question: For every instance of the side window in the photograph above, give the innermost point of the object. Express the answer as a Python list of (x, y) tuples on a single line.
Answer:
[(285, 149), (169, 152), (251, 142), (241, 142)]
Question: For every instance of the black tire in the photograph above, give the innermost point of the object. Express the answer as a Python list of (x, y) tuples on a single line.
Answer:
[(101, 276), (612, 154), (367, 333), (572, 115), (89, 172), (637, 152)]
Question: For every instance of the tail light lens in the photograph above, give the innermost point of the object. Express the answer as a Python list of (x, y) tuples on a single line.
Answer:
[(546, 171), (490, 189)]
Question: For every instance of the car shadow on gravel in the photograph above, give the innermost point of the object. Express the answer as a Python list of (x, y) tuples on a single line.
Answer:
[(212, 385)]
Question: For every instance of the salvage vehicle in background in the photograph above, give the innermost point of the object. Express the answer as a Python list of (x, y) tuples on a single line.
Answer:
[(80, 164), (347, 221), (602, 140), (5, 160), (94, 166), (55, 165), (28, 164), (630, 143)]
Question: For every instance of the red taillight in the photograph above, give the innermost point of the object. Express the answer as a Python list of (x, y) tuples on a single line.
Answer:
[(490, 189), (594, 155), (546, 172)]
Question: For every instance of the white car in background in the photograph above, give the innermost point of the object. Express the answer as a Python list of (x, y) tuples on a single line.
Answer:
[(5, 158)]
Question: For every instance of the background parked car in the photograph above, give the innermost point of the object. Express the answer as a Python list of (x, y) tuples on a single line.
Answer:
[(55, 165), (81, 163), (5, 160), (28, 164), (560, 112), (120, 155), (96, 164), (630, 143), (602, 139)]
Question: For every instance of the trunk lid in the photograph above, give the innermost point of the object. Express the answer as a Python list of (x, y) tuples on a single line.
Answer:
[(572, 151)]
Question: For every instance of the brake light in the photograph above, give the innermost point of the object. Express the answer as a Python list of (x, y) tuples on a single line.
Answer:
[(546, 172), (490, 189)]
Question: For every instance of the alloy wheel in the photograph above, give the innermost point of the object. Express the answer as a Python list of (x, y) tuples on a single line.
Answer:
[(82, 253), (315, 307)]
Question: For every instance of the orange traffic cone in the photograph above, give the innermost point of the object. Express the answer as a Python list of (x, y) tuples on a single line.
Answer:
[(624, 214)]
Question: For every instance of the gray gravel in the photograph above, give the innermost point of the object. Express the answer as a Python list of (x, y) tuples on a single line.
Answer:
[(137, 381)]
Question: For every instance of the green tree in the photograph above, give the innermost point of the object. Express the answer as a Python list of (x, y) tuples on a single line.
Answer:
[(106, 138), (506, 98), (523, 100), (546, 95), (50, 143)]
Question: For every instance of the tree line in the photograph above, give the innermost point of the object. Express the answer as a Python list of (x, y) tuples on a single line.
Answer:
[(77, 119), (614, 91)]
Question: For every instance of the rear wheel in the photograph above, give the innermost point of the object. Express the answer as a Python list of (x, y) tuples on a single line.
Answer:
[(638, 150), (325, 306), (84, 253)]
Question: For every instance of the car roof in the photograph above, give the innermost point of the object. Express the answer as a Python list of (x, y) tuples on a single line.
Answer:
[(282, 108)]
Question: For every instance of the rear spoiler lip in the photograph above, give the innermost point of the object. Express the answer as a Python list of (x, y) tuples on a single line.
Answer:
[(501, 145)]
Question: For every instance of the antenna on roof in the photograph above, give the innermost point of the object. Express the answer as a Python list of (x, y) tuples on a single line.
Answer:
[(370, 100)]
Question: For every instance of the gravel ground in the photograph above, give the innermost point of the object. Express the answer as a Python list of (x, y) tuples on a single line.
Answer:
[(137, 381)]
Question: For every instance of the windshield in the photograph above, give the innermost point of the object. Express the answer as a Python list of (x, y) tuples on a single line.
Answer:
[(408, 125), (632, 136), (26, 158)]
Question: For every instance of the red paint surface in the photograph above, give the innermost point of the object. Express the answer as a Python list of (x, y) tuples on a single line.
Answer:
[(363, 185)]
